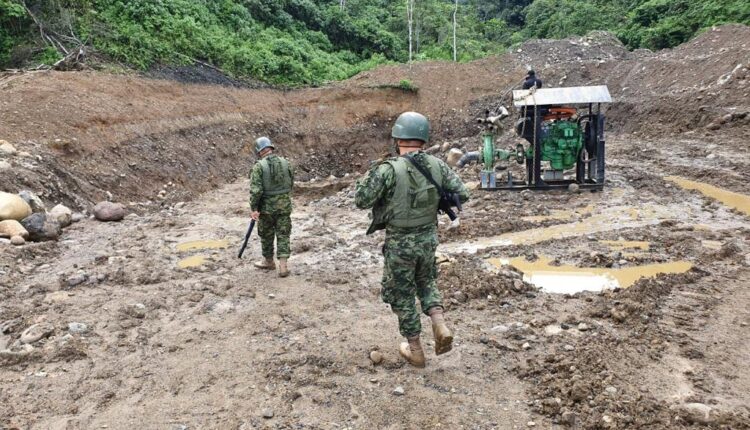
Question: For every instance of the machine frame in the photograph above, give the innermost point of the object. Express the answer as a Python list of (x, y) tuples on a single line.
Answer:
[(590, 166)]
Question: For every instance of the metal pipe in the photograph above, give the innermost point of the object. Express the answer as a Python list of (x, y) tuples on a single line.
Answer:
[(469, 156)]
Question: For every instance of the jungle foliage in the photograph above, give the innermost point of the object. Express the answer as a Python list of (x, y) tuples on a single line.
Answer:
[(302, 42)]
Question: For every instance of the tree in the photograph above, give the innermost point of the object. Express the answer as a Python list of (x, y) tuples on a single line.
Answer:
[(410, 21), (455, 12)]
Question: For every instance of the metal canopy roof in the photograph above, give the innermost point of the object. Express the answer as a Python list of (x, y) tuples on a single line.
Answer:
[(562, 96)]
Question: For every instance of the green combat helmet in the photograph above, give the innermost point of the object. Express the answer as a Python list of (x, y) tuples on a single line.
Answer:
[(262, 143), (411, 126)]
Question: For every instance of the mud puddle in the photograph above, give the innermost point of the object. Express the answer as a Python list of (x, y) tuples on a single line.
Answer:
[(190, 262), (566, 279), (202, 244), (615, 218), (740, 202)]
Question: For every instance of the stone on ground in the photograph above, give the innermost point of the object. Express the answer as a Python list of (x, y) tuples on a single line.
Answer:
[(6, 148), (36, 332), (13, 207), (62, 215), (33, 200), (108, 211), (17, 240), (41, 228), (11, 228), (454, 155)]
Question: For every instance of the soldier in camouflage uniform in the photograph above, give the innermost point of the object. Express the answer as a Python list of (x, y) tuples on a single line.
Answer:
[(271, 182), (405, 203)]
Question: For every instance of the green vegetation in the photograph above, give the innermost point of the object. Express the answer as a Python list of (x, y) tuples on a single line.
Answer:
[(303, 42)]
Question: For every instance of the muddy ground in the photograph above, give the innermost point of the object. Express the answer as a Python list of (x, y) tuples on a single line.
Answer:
[(222, 345)]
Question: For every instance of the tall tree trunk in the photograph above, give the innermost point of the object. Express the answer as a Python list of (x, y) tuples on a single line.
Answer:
[(410, 20), (455, 11)]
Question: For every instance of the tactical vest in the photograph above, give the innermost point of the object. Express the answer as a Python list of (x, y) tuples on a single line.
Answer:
[(415, 200), (276, 177)]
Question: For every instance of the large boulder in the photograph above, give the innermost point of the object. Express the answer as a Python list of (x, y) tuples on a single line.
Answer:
[(41, 228), (13, 207), (33, 200), (11, 228), (62, 215), (6, 148), (108, 211)]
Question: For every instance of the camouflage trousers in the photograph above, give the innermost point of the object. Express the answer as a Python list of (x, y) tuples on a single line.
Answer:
[(278, 226), (410, 272)]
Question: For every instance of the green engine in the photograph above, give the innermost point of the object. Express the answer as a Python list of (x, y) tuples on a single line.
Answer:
[(561, 143)]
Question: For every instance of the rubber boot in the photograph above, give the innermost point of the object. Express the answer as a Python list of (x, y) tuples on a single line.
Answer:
[(443, 336), (265, 264), (412, 351), (283, 270)]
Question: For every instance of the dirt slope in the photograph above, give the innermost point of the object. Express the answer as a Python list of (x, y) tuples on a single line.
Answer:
[(98, 133)]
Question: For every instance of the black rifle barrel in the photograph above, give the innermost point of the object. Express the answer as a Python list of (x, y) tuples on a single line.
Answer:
[(247, 237)]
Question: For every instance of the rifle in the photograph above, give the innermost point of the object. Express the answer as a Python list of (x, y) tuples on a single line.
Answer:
[(447, 200), (247, 237)]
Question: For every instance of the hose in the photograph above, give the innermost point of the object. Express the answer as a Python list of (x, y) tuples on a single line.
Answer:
[(469, 156)]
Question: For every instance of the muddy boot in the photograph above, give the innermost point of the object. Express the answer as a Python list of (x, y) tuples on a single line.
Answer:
[(412, 351), (265, 264), (283, 270), (443, 336)]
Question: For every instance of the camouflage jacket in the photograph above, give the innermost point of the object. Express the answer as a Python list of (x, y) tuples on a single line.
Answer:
[(274, 205), (377, 187)]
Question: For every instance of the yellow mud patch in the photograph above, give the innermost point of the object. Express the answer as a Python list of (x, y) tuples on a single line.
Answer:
[(738, 201), (570, 279), (202, 244), (194, 261)]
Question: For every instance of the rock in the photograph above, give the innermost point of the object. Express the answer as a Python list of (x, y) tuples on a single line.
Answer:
[(108, 211), (376, 357), (398, 391), (713, 126), (518, 285), (432, 149), (7, 149), (445, 147), (569, 348), (697, 413), (526, 346), (583, 327), (568, 418), (531, 423), (527, 194), (77, 217), (710, 156), (453, 156), (137, 310), (62, 215), (41, 229), (574, 188), (36, 332), (77, 280), (37, 205), (11, 228), (579, 391), (17, 240), (13, 207), (267, 413), (500, 328), (611, 391), (77, 328), (4, 165)]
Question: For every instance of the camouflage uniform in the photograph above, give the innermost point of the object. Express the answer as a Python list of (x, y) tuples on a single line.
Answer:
[(409, 269), (275, 211)]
